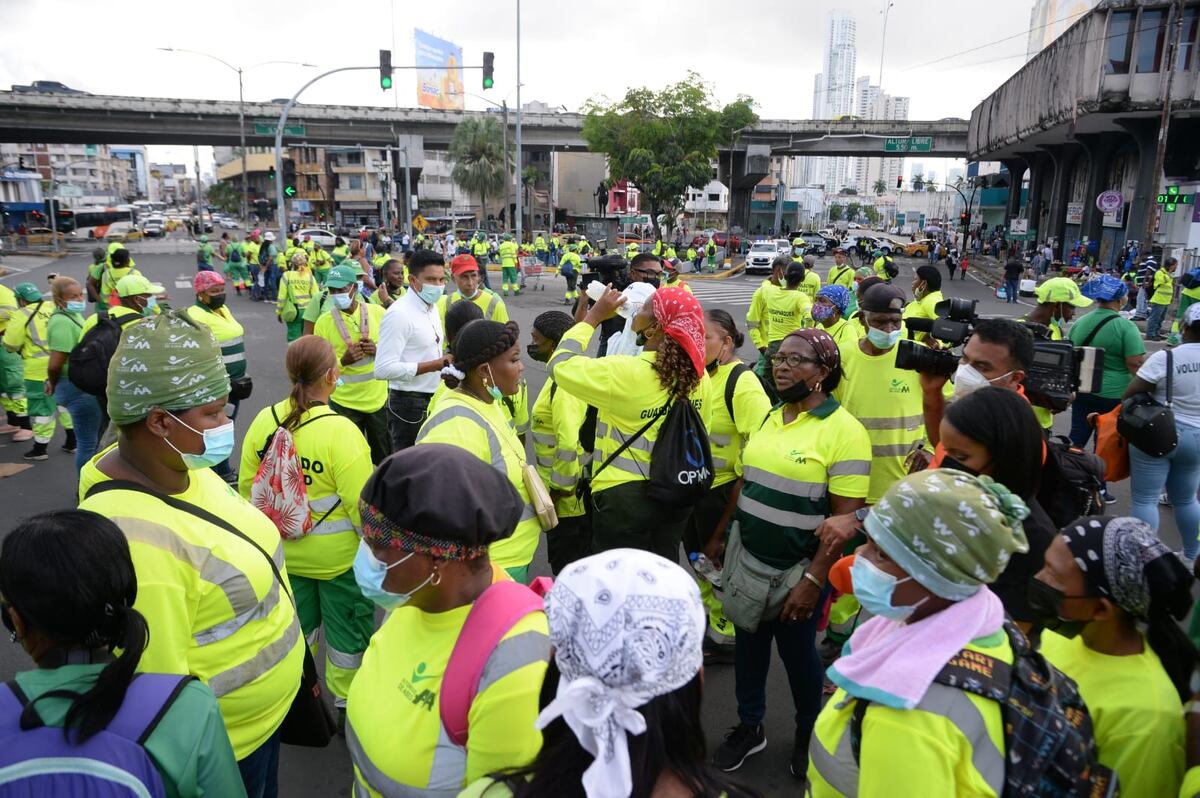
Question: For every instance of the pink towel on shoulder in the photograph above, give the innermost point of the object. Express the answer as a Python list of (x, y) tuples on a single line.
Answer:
[(894, 663)]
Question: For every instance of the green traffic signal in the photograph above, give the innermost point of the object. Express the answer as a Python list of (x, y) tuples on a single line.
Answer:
[(488, 83), (385, 82)]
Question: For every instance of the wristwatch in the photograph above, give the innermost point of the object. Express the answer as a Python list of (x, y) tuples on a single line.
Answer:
[(861, 514)]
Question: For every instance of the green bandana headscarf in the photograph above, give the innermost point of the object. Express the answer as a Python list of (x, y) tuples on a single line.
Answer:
[(166, 361), (949, 530)]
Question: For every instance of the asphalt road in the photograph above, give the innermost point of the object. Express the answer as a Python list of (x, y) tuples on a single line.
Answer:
[(312, 772)]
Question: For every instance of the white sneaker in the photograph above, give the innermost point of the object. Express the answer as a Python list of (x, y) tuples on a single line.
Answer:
[(1164, 500), (1188, 562)]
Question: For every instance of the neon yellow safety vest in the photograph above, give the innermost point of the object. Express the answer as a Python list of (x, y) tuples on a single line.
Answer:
[(28, 334), (539, 244), (508, 254), (841, 275), (727, 435), (756, 317), (556, 418), (301, 285), (626, 391), (488, 301), (8, 306), (359, 390), (216, 609), (229, 334), (483, 429), (336, 462)]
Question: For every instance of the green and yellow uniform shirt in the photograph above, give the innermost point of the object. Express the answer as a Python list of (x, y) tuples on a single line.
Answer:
[(556, 419), (841, 275), (1137, 716), (843, 332), (301, 286), (211, 599), (336, 462), (508, 254), (571, 258), (811, 284), (485, 430), (339, 254), (923, 308), (360, 390), (756, 317), (229, 334), (250, 253), (489, 302), (789, 470), (396, 697), (626, 392), (728, 435), (919, 751), (188, 745), (1164, 288), (63, 332), (27, 334), (888, 403)]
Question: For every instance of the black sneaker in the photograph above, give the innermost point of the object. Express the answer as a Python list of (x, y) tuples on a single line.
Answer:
[(799, 766), (741, 742), (38, 452), (70, 444)]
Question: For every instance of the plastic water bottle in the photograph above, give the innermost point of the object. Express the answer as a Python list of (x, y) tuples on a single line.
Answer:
[(705, 568)]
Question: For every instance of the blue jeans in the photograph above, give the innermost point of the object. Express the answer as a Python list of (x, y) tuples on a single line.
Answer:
[(271, 282), (1012, 286), (1154, 323), (1142, 300), (797, 645), (1179, 473), (260, 769), (1083, 405), (85, 415)]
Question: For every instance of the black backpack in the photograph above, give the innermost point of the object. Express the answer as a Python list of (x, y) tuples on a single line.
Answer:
[(1049, 745), (731, 386), (1072, 481), (87, 365), (890, 268), (264, 254)]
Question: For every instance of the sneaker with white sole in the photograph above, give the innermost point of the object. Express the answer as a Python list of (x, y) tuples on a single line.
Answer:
[(741, 742)]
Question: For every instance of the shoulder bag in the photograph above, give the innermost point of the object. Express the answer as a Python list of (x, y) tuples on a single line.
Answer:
[(1148, 425)]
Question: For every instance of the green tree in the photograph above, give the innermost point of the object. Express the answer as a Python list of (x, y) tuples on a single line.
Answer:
[(872, 214), (931, 187), (879, 187), (664, 141), (224, 196), (849, 191), (480, 162), (852, 210), (835, 212), (918, 182), (529, 178)]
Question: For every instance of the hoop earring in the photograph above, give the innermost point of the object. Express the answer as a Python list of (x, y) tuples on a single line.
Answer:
[(436, 579)]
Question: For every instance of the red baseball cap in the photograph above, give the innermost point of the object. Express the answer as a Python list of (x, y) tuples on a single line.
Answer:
[(463, 263)]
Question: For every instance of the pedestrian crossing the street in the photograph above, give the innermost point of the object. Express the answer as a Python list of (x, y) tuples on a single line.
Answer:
[(733, 293)]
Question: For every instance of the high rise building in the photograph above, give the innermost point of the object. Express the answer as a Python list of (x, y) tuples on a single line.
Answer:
[(833, 94), (1049, 19), (874, 103)]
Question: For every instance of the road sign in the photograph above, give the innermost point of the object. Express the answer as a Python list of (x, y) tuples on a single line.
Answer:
[(289, 191), (69, 191), (1018, 227), (89, 150), (1109, 201), (268, 129), (419, 223), (908, 144)]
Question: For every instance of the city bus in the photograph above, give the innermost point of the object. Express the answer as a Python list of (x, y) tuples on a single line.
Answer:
[(92, 221)]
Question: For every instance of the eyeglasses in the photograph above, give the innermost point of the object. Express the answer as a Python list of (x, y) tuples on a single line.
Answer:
[(793, 361)]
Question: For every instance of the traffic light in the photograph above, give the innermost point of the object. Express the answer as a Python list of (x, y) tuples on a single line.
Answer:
[(899, 182), (289, 178), (271, 174), (385, 69), (488, 68), (963, 219)]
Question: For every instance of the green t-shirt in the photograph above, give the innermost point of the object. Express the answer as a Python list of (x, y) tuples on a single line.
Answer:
[(313, 310), (1119, 339), (63, 332), (204, 253), (189, 745)]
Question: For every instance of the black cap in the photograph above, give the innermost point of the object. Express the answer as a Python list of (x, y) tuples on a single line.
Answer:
[(438, 499), (882, 298)]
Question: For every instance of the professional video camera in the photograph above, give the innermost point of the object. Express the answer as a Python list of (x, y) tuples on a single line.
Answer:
[(609, 269), (1059, 369)]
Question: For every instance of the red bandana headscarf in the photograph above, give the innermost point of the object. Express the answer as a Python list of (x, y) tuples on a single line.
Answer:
[(206, 280), (680, 316)]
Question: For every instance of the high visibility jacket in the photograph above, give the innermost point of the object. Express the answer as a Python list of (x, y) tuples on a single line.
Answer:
[(8, 306), (483, 429), (539, 244), (339, 254), (811, 284), (291, 250), (360, 390), (229, 334), (554, 241), (336, 462), (626, 391), (923, 308), (670, 254), (107, 277), (631, 250), (841, 275), (250, 254), (880, 268), (488, 301), (216, 609), (756, 317), (28, 335), (516, 407), (1164, 288), (321, 261), (658, 248), (727, 435), (379, 260), (396, 697), (309, 246), (508, 254), (584, 246), (571, 258), (780, 311), (556, 419), (302, 286), (951, 743), (678, 282)]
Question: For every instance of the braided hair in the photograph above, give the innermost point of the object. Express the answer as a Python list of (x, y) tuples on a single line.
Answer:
[(553, 324), (477, 343)]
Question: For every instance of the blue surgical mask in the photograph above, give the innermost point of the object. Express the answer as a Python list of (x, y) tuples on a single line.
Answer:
[(370, 572), (431, 293), (873, 587), (822, 312), (151, 304), (883, 340), (218, 445), (338, 383), (76, 306), (342, 301), (491, 387)]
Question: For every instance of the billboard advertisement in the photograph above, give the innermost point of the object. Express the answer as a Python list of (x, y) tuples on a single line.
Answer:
[(439, 72)]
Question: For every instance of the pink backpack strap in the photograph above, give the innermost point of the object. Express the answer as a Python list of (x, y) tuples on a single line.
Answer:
[(492, 616)]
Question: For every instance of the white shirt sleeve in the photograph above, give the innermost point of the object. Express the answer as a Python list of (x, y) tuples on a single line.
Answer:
[(1154, 369), (393, 338)]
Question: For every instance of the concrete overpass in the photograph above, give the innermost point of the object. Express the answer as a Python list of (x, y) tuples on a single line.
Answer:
[(101, 119)]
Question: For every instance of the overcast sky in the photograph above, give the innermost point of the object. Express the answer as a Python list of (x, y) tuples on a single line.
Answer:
[(570, 51)]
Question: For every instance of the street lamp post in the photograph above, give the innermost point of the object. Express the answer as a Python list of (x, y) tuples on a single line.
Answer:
[(883, 44), (517, 167)]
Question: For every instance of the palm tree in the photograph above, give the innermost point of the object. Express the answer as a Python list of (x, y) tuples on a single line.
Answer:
[(480, 163), (918, 182), (879, 186)]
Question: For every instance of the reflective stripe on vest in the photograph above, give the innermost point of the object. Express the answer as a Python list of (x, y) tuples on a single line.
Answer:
[(892, 422), (366, 376), (264, 660), (566, 350), (323, 505), (850, 468), (841, 771), (389, 787), (545, 438), (236, 357), (340, 659), (890, 450), (719, 439), (228, 628), (495, 455), (776, 516), (794, 487)]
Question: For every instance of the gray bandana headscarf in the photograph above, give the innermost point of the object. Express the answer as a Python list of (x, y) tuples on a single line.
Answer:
[(1113, 554)]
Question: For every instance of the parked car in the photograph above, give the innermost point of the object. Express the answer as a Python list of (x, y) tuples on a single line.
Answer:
[(319, 235), (783, 245), (814, 243), (230, 224), (760, 256), (122, 231), (918, 248), (41, 235), (153, 228)]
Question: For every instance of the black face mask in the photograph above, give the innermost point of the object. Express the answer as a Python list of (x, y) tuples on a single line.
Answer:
[(1046, 603), (950, 462), (216, 302), (653, 282), (796, 392), (536, 354), (712, 367)]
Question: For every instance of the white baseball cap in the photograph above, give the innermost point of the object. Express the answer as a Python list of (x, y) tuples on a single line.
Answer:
[(269, 236)]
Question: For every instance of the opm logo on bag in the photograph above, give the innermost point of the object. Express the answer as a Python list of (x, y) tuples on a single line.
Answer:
[(695, 456)]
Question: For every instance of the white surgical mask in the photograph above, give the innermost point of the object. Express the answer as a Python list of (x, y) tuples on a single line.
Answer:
[(968, 379)]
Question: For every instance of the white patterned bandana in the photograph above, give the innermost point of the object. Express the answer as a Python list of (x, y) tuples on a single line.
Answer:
[(1113, 554), (626, 626)]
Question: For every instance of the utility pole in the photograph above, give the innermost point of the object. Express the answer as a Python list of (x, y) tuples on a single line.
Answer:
[(883, 44), (508, 177), (199, 190), (242, 136), (520, 209), (1164, 124)]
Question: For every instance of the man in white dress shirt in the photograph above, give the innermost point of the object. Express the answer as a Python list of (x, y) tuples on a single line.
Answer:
[(410, 351)]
